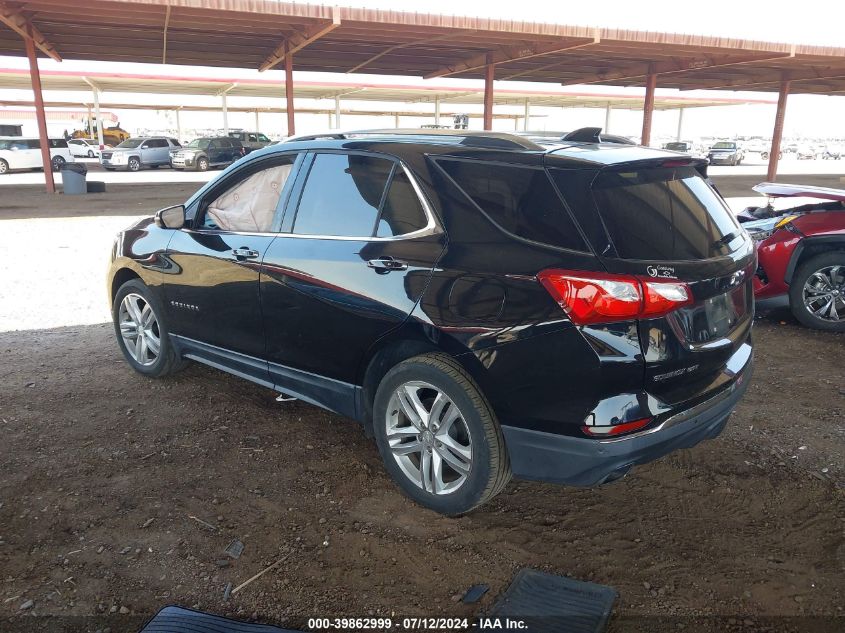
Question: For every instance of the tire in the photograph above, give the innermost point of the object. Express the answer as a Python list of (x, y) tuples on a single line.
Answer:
[(764, 155), (90, 153), (485, 468), (134, 164), (144, 360), (812, 279), (202, 163), (57, 163), (4, 167)]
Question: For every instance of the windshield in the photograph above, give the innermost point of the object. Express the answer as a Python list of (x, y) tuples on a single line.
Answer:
[(200, 143), (724, 145), (677, 147), (131, 143)]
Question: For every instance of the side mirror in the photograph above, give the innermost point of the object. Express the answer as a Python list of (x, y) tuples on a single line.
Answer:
[(171, 217), (145, 146)]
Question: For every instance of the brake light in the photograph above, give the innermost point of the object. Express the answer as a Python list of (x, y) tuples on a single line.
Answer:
[(615, 429), (592, 297)]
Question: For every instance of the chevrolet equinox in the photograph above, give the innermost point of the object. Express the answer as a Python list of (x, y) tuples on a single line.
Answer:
[(484, 306)]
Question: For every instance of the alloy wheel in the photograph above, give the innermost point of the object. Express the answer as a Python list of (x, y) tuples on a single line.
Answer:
[(824, 293), (428, 437), (139, 329)]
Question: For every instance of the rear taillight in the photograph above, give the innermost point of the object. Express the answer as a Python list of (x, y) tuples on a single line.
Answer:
[(615, 429), (591, 297)]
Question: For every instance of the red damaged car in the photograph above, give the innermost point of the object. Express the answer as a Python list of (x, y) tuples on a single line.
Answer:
[(801, 251)]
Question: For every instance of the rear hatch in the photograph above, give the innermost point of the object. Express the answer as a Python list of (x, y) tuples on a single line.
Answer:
[(666, 222)]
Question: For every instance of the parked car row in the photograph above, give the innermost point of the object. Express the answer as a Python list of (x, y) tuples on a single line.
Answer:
[(200, 154), (25, 153)]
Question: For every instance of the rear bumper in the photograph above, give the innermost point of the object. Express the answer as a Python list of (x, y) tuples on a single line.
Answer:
[(585, 462)]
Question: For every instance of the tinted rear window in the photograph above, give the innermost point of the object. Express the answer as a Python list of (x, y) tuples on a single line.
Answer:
[(664, 214), (520, 200)]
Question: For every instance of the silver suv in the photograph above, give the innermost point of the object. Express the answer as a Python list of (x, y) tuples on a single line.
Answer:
[(251, 140), (135, 153)]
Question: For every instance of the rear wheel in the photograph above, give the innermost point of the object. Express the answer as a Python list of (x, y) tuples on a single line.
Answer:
[(141, 331), (438, 436), (817, 292), (90, 153), (4, 167)]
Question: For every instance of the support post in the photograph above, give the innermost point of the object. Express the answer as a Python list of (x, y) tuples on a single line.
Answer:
[(527, 114), (777, 134), (257, 126), (225, 116), (607, 111), (436, 110), (97, 115), (337, 113), (40, 116), (178, 126), (489, 75), (396, 120), (680, 133), (648, 108), (289, 91)]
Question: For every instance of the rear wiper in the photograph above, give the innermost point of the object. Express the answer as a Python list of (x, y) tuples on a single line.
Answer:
[(727, 239)]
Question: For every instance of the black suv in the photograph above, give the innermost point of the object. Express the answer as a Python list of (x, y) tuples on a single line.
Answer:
[(485, 307)]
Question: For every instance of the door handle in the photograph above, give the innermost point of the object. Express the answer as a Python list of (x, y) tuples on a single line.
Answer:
[(244, 253), (384, 265)]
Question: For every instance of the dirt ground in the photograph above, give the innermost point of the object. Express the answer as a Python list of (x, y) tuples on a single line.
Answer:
[(118, 495)]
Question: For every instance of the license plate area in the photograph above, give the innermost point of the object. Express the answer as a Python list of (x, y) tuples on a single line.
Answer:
[(714, 318)]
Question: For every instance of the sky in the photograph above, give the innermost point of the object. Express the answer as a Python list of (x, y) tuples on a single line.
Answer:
[(809, 22)]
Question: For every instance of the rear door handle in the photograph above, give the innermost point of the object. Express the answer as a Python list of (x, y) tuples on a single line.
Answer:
[(244, 253), (385, 264)]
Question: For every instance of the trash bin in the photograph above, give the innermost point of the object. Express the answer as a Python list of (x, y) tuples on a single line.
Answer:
[(73, 178)]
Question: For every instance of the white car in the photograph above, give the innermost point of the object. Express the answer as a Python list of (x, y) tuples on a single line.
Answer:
[(84, 147), (18, 152)]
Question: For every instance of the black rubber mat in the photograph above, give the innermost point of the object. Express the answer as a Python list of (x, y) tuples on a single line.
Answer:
[(548, 603), (181, 620)]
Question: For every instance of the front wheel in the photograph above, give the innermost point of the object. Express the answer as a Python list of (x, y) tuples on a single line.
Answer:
[(202, 163), (134, 164), (4, 167), (90, 153), (438, 436), (141, 331), (817, 292), (57, 163)]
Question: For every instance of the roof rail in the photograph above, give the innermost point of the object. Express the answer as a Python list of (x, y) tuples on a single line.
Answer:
[(469, 138)]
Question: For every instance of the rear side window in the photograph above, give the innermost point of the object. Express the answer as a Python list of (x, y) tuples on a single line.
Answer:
[(342, 195), (402, 212), (520, 200), (664, 214), (156, 142)]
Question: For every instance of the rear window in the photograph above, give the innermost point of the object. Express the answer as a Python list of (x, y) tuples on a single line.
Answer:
[(520, 200), (664, 214)]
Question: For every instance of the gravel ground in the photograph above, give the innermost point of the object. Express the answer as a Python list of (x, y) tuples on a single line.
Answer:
[(118, 493)]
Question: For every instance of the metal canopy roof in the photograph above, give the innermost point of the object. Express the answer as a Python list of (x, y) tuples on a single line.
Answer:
[(259, 33), (235, 87)]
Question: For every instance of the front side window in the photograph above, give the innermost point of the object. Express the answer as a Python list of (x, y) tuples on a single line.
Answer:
[(342, 195), (250, 205), (263, 139)]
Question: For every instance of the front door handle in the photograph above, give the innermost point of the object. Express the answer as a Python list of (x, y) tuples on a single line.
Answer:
[(384, 265), (243, 253)]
